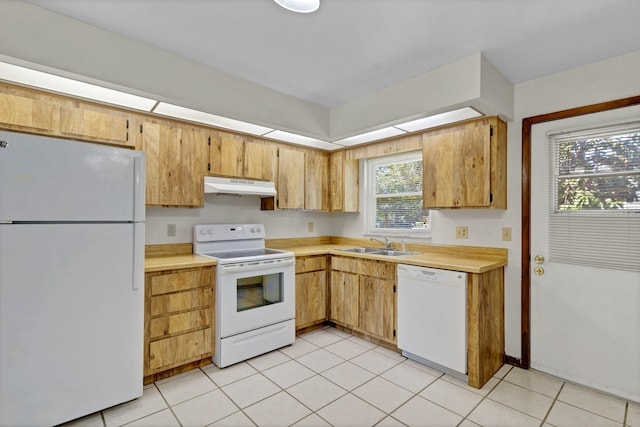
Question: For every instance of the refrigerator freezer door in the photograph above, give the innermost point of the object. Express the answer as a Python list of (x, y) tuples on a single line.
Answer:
[(49, 179), (71, 320)]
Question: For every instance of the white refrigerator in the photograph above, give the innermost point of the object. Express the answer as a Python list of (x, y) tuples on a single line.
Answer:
[(71, 278)]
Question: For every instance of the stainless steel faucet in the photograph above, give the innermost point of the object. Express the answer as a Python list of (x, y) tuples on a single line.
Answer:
[(386, 243)]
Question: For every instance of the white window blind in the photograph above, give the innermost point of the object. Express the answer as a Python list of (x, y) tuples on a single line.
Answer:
[(394, 195), (595, 203)]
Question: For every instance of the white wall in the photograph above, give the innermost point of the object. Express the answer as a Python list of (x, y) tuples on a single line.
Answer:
[(234, 209)]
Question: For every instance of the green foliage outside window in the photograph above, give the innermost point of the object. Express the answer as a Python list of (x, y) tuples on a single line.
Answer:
[(599, 173)]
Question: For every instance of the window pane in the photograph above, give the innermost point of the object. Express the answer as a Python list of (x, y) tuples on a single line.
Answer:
[(599, 173), (394, 193), (398, 178), (401, 212)]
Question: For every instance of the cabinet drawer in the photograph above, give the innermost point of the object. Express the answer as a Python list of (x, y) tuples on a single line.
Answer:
[(181, 281), (166, 304), (175, 323), (181, 348), (364, 267), (312, 263)]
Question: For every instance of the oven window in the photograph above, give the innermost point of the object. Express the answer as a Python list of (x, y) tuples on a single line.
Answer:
[(258, 291)]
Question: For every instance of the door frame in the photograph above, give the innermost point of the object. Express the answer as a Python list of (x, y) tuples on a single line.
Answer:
[(525, 284)]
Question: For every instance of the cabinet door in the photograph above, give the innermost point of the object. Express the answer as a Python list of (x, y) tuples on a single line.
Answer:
[(174, 164), (311, 298), (457, 167), (378, 307), (344, 298), (260, 160), (290, 178), (106, 126), (27, 113), (226, 153), (343, 178), (316, 174)]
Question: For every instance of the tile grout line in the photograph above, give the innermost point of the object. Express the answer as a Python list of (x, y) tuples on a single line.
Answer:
[(484, 397), (544, 420)]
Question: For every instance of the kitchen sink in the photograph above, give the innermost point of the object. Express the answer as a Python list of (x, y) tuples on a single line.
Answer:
[(362, 250), (378, 251), (391, 252)]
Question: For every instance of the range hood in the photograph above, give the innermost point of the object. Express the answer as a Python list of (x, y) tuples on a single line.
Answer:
[(217, 185)]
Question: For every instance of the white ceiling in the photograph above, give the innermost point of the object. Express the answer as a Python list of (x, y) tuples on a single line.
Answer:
[(351, 48)]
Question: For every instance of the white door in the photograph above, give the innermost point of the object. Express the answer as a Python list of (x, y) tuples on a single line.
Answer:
[(585, 321)]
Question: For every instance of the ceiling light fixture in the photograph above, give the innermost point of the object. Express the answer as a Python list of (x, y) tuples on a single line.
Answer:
[(300, 6)]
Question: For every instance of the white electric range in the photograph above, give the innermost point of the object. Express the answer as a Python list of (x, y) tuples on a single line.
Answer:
[(255, 291)]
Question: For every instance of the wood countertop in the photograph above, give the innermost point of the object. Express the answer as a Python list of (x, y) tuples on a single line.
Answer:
[(172, 262), (467, 259), (470, 261)]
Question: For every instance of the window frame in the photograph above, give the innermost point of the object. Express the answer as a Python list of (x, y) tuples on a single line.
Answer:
[(370, 197)]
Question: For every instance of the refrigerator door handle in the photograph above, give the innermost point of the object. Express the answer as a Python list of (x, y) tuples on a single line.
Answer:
[(139, 187), (138, 256)]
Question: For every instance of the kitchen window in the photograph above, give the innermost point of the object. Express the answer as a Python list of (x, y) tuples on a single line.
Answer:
[(394, 196), (595, 208)]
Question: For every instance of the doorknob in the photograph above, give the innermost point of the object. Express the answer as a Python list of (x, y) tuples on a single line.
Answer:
[(539, 271), (539, 259)]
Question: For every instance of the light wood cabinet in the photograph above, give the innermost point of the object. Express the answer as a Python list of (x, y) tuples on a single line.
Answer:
[(98, 124), (290, 183), (175, 165), (226, 154), (344, 182), (465, 166), (345, 302), (179, 318), (33, 111), (260, 160), (363, 296), (316, 185), (311, 291), (28, 114)]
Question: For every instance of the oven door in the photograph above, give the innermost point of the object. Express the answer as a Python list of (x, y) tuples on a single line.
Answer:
[(254, 294)]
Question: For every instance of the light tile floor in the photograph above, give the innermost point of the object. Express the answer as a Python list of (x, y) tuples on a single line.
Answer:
[(329, 378)]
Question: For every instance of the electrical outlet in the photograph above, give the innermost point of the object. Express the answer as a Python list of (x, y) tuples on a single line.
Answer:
[(310, 227), (171, 230), (462, 232), (506, 234)]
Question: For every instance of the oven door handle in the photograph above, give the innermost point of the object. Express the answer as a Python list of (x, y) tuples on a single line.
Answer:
[(256, 265)]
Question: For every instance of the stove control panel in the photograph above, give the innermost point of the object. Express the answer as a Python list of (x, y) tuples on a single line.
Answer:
[(222, 232)]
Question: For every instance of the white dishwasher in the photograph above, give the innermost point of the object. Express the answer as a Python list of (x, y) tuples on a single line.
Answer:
[(432, 317)]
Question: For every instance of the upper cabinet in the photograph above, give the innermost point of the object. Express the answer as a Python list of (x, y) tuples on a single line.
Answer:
[(226, 154), (176, 159), (316, 180), (29, 114), (344, 176), (260, 159), (465, 166), (290, 183), (95, 124), (35, 112)]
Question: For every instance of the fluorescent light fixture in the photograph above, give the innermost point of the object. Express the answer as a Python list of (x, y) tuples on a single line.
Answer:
[(39, 79), (439, 119), (301, 140), (211, 119), (300, 6), (370, 136)]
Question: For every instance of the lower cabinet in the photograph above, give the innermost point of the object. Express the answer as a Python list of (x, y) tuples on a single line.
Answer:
[(179, 318), (311, 291), (363, 296)]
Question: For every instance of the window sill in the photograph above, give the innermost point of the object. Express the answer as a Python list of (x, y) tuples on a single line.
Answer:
[(400, 234)]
